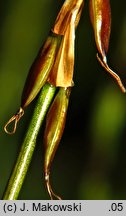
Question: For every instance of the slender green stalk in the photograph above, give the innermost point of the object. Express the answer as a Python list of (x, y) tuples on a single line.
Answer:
[(23, 161)]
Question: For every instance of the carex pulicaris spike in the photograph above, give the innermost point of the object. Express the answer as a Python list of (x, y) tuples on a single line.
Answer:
[(55, 61)]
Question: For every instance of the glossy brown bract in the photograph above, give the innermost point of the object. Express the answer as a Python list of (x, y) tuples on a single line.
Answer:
[(40, 69), (55, 124), (100, 15)]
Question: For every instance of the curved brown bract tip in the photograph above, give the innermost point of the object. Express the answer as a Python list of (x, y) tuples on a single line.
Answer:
[(52, 195), (15, 120), (104, 64)]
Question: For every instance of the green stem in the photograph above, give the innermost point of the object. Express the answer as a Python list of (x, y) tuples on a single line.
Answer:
[(23, 161)]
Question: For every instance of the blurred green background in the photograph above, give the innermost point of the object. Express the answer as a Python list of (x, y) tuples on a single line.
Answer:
[(90, 162)]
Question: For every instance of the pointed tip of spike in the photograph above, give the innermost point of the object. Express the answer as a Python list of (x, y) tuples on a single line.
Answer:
[(14, 119), (104, 64), (52, 195)]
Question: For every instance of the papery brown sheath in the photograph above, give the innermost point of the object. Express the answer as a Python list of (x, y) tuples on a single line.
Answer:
[(55, 123), (100, 14), (62, 71), (62, 20), (67, 20)]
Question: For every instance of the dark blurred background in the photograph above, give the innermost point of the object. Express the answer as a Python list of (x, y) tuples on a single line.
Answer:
[(90, 161)]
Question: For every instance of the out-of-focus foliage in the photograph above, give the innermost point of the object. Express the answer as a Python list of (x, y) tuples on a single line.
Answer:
[(90, 162)]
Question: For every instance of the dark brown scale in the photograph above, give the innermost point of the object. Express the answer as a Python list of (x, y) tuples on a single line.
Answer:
[(37, 77), (55, 123), (40, 70), (33, 73), (100, 14)]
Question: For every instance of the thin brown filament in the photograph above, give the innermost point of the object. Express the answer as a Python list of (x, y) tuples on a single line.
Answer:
[(14, 119), (49, 189), (113, 74)]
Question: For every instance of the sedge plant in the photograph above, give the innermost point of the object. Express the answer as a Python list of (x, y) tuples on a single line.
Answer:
[(51, 76)]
